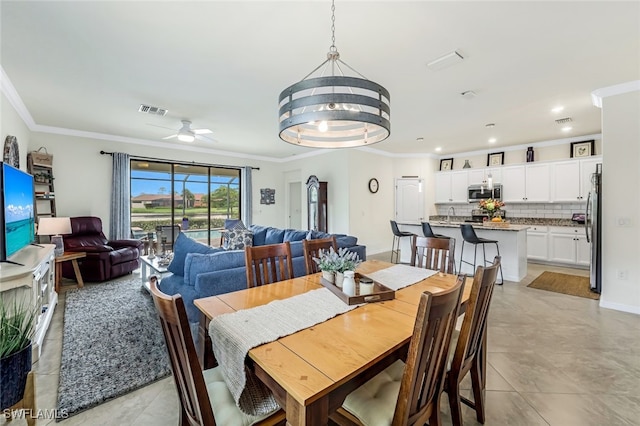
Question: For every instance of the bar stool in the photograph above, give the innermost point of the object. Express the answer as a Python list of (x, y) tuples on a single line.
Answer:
[(428, 232), (469, 236), (395, 245)]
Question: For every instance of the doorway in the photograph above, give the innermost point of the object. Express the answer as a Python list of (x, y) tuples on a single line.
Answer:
[(295, 205)]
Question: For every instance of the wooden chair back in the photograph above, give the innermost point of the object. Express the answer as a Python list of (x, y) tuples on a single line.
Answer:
[(433, 253), (195, 407), (268, 264), (311, 249), (423, 378), (470, 345)]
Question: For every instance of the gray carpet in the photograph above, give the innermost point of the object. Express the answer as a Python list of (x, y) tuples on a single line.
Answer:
[(112, 344)]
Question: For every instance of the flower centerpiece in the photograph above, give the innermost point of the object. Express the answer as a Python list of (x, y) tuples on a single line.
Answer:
[(491, 206), (333, 264)]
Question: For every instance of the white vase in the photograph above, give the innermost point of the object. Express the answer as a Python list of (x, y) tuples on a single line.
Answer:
[(339, 279), (349, 283), (328, 275)]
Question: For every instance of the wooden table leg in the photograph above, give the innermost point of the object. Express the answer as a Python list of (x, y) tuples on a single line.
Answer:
[(76, 269), (317, 413)]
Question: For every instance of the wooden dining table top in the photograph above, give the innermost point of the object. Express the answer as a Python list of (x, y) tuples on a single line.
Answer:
[(307, 366)]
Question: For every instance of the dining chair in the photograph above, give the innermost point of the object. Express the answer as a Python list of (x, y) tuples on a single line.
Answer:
[(433, 253), (312, 248), (470, 348), (409, 394), (268, 264), (204, 397)]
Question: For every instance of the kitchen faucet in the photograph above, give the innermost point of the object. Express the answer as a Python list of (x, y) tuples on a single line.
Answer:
[(450, 210)]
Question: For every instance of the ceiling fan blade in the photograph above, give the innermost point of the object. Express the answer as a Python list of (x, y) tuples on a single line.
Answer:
[(169, 137), (162, 127), (201, 131), (206, 139)]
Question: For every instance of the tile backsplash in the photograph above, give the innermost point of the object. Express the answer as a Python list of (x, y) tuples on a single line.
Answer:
[(521, 210)]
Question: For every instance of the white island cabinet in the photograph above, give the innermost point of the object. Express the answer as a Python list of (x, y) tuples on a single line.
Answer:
[(512, 242)]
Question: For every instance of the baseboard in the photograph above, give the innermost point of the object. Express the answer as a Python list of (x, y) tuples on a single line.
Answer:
[(620, 307)]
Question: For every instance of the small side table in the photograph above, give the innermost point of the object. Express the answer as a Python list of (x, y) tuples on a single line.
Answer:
[(73, 257), (151, 266)]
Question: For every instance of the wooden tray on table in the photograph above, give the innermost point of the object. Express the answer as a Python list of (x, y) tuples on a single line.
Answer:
[(374, 292)]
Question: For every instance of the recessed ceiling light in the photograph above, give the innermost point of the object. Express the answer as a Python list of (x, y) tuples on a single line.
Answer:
[(445, 61), (438, 148), (557, 109), (490, 125), (492, 140), (566, 128)]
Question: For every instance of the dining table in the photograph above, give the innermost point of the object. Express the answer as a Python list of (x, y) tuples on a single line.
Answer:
[(311, 371)]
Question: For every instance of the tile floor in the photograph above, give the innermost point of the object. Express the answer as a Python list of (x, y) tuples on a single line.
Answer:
[(553, 360)]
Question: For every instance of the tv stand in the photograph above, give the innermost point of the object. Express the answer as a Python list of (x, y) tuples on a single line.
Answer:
[(28, 278), (11, 262)]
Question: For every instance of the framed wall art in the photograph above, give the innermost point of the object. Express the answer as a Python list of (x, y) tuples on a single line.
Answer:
[(583, 149), (446, 164), (495, 159), (267, 196)]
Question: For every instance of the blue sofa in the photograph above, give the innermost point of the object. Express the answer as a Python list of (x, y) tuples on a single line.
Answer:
[(202, 271)]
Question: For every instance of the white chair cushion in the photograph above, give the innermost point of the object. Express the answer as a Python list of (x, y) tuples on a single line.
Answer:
[(374, 403), (225, 410)]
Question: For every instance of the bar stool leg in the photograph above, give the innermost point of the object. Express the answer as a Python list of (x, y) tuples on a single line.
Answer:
[(501, 276), (461, 257)]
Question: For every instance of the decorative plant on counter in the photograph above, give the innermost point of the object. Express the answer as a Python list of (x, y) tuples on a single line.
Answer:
[(491, 206)]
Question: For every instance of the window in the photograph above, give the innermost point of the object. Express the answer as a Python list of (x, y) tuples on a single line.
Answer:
[(198, 198)]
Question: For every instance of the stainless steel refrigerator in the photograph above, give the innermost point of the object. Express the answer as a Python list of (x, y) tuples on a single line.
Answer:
[(593, 228)]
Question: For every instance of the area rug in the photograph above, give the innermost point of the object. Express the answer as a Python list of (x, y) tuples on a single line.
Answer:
[(573, 285), (112, 344)]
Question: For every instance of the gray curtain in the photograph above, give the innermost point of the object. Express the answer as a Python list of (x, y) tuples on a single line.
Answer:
[(247, 206), (120, 214)]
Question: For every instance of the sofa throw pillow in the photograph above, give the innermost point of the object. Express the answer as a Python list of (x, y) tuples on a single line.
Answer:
[(196, 263), (181, 247), (259, 234), (343, 240), (238, 239), (274, 236), (294, 235)]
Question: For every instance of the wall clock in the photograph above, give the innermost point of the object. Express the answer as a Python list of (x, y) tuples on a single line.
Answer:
[(373, 185), (11, 153)]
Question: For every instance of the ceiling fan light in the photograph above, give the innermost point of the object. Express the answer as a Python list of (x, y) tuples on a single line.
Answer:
[(186, 137)]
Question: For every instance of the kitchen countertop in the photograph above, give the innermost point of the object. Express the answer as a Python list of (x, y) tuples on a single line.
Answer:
[(497, 227), (529, 221)]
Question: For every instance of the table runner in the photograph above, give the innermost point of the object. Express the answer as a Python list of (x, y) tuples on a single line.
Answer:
[(400, 276), (234, 334)]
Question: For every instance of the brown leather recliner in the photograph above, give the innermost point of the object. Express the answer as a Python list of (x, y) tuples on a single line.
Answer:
[(105, 259)]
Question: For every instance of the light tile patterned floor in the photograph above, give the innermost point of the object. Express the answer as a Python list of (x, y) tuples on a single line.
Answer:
[(553, 360)]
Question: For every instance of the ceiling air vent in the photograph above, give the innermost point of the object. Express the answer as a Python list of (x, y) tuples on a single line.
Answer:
[(146, 109), (564, 120)]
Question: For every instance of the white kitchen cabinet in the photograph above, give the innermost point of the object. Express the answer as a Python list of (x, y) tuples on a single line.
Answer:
[(525, 183), (537, 243), (572, 179), (481, 176), (568, 245), (451, 187)]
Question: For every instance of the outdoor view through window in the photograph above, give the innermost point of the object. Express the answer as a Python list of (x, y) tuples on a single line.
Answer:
[(194, 198)]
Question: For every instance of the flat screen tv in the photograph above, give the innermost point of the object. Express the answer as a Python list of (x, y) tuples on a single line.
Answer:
[(17, 215)]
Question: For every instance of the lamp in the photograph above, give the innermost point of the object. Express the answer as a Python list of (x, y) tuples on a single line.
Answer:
[(334, 110), (55, 226)]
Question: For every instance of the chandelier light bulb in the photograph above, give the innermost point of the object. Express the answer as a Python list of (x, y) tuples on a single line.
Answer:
[(323, 126)]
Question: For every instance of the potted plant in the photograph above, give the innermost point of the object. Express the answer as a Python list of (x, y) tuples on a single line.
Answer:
[(347, 261), (491, 206), (17, 326), (333, 264), (327, 262)]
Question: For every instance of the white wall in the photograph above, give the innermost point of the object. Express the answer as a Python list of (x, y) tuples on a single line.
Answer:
[(12, 124), (621, 200), (83, 175)]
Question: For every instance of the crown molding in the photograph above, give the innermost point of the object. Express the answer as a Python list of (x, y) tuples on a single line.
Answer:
[(15, 100), (617, 89)]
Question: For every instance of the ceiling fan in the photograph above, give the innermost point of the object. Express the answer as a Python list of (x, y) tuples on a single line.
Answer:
[(187, 134)]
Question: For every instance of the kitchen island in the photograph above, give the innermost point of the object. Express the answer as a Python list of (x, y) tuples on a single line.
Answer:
[(512, 240)]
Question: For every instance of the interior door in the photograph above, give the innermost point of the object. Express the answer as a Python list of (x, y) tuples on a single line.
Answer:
[(409, 200), (295, 205)]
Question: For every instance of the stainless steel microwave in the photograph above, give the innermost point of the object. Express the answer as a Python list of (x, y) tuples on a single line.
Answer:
[(477, 193)]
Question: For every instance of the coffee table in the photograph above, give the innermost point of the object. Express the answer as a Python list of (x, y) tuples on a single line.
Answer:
[(151, 267)]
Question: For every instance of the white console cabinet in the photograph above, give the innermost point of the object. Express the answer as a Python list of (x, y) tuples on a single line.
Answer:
[(32, 281)]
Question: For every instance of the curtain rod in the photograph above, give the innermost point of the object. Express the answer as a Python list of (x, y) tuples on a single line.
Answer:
[(162, 160)]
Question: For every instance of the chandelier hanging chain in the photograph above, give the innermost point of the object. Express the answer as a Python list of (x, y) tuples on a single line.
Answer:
[(333, 47)]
